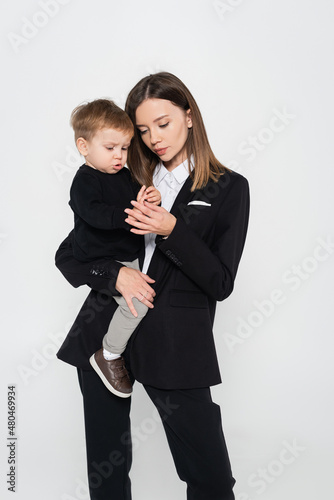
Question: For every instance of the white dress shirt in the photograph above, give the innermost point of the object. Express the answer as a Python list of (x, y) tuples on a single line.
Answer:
[(169, 184)]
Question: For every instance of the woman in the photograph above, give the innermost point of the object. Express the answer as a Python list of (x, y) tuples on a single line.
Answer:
[(193, 245)]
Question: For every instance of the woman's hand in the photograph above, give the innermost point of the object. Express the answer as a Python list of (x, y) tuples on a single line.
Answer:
[(141, 194), (150, 219), (133, 283)]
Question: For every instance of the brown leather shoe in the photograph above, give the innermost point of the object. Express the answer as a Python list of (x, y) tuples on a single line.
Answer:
[(113, 374)]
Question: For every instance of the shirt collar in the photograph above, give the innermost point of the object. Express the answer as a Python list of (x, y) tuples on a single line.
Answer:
[(181, 172)]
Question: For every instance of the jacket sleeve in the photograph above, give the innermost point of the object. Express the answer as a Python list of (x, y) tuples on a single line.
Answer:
[(100, 275), (213, 268), (86, 202)]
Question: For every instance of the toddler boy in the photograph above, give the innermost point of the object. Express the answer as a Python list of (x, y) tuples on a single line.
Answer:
[(102, 188)]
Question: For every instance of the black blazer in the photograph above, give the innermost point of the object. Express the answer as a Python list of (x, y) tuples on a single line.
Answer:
[(173, 346)]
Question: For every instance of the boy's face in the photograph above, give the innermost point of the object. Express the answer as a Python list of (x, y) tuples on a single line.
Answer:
[(106, 151)]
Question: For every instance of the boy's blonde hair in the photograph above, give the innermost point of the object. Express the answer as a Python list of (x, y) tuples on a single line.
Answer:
[(87, 119)]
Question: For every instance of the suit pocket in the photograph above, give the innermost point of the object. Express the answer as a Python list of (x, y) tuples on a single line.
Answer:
[(199, 203), (182, 298)]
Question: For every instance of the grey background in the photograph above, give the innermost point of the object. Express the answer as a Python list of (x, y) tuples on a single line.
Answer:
[(245, 63)]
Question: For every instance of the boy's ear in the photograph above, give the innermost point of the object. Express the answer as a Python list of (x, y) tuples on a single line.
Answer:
[(82, 146), (189, 119)]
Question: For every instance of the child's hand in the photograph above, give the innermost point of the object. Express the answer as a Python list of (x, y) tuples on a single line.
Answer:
[(152, 195)]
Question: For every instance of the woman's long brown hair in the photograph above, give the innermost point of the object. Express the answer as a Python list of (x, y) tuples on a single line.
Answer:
[(141, 160)]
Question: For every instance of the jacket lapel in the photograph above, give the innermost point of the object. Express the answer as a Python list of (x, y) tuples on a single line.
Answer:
[(159, 263), (183, 197)]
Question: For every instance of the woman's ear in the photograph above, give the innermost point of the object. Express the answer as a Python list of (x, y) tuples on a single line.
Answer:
[(82, 146), (189, 119)]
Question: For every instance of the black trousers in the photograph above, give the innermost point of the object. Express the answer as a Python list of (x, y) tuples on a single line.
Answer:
[(192, 423)]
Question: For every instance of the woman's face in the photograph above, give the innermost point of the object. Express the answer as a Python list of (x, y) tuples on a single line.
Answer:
[(164, 129)]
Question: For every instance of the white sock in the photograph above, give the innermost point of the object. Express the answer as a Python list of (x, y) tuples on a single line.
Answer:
[(110, 355)]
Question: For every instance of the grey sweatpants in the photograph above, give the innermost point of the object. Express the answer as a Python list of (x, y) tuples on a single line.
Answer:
[(123, 322)]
